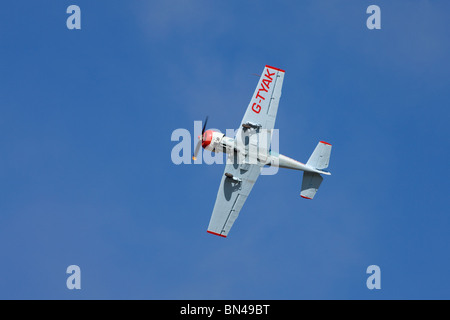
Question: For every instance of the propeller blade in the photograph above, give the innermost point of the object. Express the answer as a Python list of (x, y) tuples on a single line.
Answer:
[(200, 139), (197, 148), (204, 126)]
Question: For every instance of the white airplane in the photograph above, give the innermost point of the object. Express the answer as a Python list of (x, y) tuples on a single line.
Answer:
[(249, 151)]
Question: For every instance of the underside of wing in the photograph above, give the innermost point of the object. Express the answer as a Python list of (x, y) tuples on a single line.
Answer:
[(263, 107), (259, 118), (235, 186)]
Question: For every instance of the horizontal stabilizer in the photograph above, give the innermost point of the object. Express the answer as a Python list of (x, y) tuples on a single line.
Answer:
[(310, 184), (320, 158)]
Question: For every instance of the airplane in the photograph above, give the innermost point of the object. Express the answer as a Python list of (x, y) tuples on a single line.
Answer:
[(249, 151)]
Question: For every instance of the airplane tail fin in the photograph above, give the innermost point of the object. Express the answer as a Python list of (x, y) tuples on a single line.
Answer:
[(319, 159)]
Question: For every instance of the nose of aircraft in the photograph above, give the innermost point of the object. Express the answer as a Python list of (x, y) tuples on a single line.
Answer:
[(207, 138)]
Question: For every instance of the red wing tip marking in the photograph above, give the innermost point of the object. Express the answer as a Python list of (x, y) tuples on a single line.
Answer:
[(275, 68), (325, 143), (220, 235), (305, 197)]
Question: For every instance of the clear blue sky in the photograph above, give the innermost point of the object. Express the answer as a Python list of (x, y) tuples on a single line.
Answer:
[(86, 177)]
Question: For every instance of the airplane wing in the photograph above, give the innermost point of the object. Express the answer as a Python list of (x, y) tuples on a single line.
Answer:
[(263, 106), (261, 112), (240, 175), (232, 194)]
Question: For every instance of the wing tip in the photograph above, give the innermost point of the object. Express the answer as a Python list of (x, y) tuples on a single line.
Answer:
[(305, 197), (325, 143), (216, 234), (281, 70)]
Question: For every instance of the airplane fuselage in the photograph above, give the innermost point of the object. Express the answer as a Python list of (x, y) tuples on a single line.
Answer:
[(218, 142)]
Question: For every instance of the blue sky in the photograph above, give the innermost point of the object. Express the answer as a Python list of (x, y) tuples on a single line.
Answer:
[(86, 177)]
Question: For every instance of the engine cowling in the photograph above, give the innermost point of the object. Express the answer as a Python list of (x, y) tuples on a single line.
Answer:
[(211, 140)]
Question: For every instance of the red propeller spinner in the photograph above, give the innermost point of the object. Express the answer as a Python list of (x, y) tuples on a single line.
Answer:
[(207, 138)]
